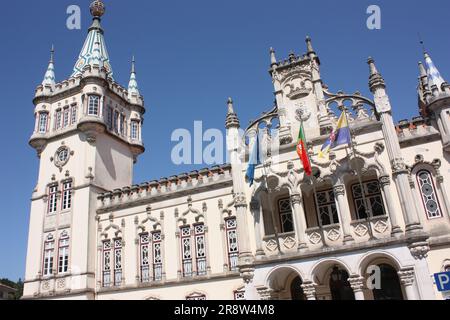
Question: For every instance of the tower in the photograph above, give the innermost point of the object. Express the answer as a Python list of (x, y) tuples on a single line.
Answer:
[(434, 98), (299, 93), (87, 137)]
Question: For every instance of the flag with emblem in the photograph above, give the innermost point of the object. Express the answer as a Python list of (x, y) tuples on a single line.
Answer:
[(303, 152), (341, 136)]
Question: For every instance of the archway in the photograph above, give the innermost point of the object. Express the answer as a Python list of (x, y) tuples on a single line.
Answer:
[(286, 284), (390, 288), (331, 278), (339, 285)]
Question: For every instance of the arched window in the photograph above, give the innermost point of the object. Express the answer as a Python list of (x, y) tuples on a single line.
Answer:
[(43, 122), (429, 196), (285, 210), (200, 248), (151, 256), (232, 243), (63, 253), (94, 105), (49, 250), (297, 290)]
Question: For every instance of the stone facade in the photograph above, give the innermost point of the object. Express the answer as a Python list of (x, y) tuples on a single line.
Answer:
[(378, 208)]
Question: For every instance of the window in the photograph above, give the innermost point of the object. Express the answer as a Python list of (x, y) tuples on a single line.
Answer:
[(116, 122), (123, 125), (157, 257), (58, 118), (327, 208), (66, 117), (232, 243), (239, 295), (67, 195), (118, 262), (43, 120), (200, 248), (285, 209), (94, 105), (196, 297), (144, 248), (53, 199), (49, 249), (374, 205), (134, 130), (186, 251), (109, 118), (107, 263), (73, 115), (63, 255), (429, 197)]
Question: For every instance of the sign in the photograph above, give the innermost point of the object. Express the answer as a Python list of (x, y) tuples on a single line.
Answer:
[(442, 281)]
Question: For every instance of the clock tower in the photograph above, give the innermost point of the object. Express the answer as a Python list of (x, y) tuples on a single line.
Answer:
[(87, 136)]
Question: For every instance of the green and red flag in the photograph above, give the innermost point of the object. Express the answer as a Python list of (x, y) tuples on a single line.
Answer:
[(303, 151)]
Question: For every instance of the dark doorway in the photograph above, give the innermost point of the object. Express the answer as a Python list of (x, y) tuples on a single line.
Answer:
[(390, 285), (297, 290), (339, 286)]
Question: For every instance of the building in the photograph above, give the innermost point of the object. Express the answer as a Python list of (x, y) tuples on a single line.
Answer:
[(6, 293), (374, 213)]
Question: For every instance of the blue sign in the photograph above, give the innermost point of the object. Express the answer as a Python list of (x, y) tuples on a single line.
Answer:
[(442, 281)]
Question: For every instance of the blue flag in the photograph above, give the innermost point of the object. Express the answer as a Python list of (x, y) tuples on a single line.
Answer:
[(253, 161)]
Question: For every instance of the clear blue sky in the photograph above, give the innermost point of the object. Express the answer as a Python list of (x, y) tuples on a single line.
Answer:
[(191, 56)]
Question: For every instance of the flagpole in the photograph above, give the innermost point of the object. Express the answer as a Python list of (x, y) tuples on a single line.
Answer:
[(316, 203), (363, 192), (269, 198)]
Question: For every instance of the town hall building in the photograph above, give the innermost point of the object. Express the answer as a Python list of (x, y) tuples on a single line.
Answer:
[(371, 223)]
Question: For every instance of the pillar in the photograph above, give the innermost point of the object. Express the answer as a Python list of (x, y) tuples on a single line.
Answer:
[(256, 209), (385, 182), (407, 277), (298, 214), (357, 284), (310, 290), (344, 211)]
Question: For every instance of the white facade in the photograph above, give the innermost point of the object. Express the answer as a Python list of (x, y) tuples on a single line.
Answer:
[(207, 234)]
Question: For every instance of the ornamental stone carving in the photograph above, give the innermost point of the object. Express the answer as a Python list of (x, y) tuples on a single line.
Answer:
[(385, 181), (310, 290), (296, 199), (339, 190), (265, 293), (240, 200), (406, 276), (419, 250), (357, 283)]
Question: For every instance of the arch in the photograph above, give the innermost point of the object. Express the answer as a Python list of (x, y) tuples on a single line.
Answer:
[(380, 257), (275, 271), (322, 269), (286, 283)]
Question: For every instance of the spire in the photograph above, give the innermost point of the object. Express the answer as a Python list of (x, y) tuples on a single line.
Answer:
[(375, 80), (49, 78), (232, 119), (133, 88), (423, 72), (94, 47), (309, 46), (273, 58), (434, 76)]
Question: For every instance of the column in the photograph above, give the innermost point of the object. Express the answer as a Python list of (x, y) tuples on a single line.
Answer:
[(344, 211), (310, 290), (298, 214), (407, 277), (385, 182), (357, 284), (256, 209)]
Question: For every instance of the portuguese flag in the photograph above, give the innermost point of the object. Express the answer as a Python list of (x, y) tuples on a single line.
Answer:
[(303, 152)]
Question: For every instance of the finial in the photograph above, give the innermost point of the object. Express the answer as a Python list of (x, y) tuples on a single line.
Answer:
[(273, 58), (133, 65), (373, 68), (423, 72), (309, 45), (97, 8), (52, 54), (230, 105), (232, 119)]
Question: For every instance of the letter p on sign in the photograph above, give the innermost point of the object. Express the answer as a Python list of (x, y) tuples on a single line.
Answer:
[(442, 281)]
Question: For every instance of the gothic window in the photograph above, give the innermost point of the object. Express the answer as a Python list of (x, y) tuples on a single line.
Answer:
[(63, 253), (53, 199), (43, 121), (58, 119), (123, 125), (369, 204), (144, 248), (117, 262), (134, 130), (107, 251), (429, 196), (186, 251), (109, 118), (116, 122), (73, 114), (94, 105), (196, 297), (200, 246), (67, 195), (49, 250), (285, 210), (326, 205), (157, 256), (232, 243), (66, 117), (239, 295)]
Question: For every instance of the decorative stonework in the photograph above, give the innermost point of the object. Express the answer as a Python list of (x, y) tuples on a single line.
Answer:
[(240, 200), (384, 181), (289, 243), (339, 190), (419, 250), (357, 283), (333, 235), (407, 276), (361, 230), (296, 199), (380, 226), (265, 293), (310, 290), (61, 283), (271, 245), (315, 238)]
